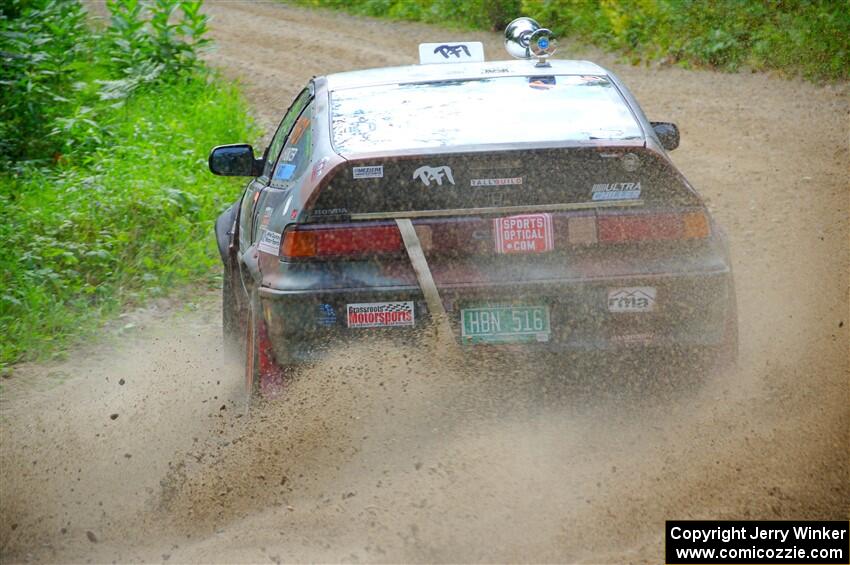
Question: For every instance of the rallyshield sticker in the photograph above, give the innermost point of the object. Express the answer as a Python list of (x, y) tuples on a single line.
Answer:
[(269, 243), (616, 191), (496, 182), (373, 172), (631, 299), (380, 315)]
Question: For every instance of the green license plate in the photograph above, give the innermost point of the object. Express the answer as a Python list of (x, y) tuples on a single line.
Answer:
[(505, 323)]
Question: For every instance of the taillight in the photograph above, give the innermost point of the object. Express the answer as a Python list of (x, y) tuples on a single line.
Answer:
[(303, 242), (623, 228)]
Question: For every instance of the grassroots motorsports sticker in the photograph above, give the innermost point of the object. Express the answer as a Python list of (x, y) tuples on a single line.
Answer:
[(616, 191), (380, 314)]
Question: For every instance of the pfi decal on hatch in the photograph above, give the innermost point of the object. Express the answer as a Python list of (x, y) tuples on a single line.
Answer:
[(437, 174), (616, 191)]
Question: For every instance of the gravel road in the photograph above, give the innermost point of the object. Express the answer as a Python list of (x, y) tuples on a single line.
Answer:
[(133, 448)]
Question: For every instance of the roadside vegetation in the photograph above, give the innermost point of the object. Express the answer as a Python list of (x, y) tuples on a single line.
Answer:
[(796, 37), (104, 195)]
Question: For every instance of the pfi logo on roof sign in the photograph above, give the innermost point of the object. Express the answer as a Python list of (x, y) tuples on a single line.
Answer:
[(459, 52), (427, 174)]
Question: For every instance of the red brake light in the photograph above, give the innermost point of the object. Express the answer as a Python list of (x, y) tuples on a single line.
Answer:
[(652, 227), (349, 241)]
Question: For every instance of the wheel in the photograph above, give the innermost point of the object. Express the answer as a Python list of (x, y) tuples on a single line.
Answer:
[(263, 376)]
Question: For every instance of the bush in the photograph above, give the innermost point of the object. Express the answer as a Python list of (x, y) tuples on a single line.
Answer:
[(807, 37), (123, 207)]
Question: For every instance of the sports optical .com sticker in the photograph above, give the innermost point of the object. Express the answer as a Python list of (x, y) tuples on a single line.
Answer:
[(527, 233), (496, 182), (375, 172), (616, 191), (270, 242), (631, 299), (380, 315)]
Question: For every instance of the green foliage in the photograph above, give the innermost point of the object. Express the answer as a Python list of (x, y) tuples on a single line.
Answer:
[(147, 49), (56, 69), (41, 47), (132, 222), (483, 14), (808, 37), (104, 195)]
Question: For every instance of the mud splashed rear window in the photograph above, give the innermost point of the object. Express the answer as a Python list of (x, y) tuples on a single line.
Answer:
[(534, 109)]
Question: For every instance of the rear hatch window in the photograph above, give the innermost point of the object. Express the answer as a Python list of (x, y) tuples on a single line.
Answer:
[(450, 147), (533, 109)]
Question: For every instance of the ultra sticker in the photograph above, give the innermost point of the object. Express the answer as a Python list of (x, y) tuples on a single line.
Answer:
[(631, 299), (496, 182), (374, 172), (437, 174), (269, 243), (289, 154), (527, 233), (380, 315), (616, 191)]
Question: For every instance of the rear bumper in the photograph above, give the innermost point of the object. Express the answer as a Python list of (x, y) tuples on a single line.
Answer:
[(690, 310)]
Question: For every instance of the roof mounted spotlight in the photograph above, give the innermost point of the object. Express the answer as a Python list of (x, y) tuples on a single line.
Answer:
[(524, 39)]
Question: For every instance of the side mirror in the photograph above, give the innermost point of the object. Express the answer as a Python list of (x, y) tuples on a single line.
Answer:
[(235, 160), (668, 134)]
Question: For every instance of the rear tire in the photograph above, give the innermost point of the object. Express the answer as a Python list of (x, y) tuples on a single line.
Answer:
[(263, 376)]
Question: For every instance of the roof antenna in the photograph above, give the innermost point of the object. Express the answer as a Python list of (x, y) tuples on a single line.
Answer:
[(525, 39)]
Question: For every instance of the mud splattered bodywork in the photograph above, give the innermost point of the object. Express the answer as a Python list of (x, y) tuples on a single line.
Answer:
[(543, 199)]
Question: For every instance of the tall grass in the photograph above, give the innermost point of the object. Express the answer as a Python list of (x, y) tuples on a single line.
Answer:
[(106, 200), (795, 37)]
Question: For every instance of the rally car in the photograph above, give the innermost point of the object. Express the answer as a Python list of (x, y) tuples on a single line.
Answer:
[(526, 202)]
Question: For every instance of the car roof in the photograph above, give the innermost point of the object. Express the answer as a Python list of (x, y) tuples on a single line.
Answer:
[(458, 71)]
